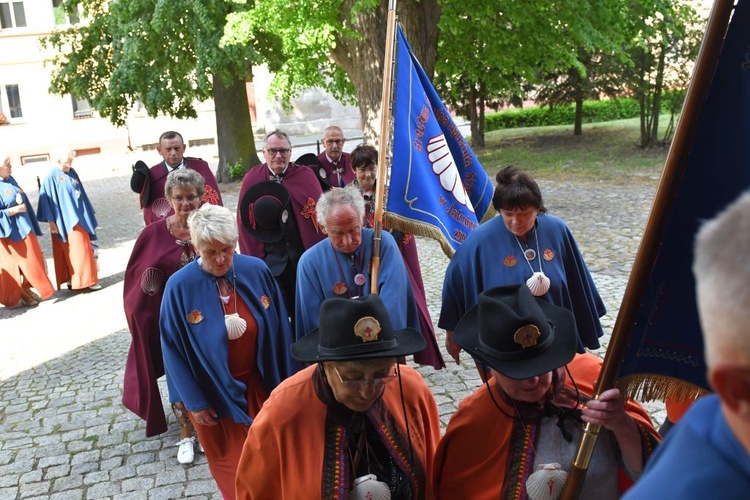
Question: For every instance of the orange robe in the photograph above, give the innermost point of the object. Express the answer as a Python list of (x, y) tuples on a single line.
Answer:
[(284, 454), (222, 443), (25, 257), (473, 458)]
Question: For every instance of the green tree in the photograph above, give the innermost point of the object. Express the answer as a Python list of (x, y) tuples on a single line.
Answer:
[(491, 51), (165, 55), (338, 45), (665, 38)]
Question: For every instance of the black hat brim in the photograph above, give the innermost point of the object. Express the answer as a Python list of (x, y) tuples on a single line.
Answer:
[(140, 182), (410, 341), (560, 353), (266, 188)]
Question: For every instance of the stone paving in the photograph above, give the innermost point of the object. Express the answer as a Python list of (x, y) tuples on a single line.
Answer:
[(63, 431)]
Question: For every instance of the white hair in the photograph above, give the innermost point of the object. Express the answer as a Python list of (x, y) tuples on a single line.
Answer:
[(349, 196), (212, 223), (722, 273)]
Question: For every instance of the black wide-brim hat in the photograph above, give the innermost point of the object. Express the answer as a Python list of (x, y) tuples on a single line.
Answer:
[(264, 210), (517, 334), (140, 182), (351, 329)]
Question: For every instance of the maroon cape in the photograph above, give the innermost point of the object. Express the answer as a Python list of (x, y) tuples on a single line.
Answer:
[(158, 208), (407, 245), (155, 258), (304, 191), (345, 163)]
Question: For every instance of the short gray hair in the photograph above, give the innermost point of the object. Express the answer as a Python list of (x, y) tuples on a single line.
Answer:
[(61, 155), (277, 133), (722, 273), (349, 196), (185, 178), (212, 223)]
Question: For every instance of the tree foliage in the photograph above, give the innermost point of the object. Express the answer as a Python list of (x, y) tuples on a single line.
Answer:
[(338, 45), (490, 52), (166, 56)]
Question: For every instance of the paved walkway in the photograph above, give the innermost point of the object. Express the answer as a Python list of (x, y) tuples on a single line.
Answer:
[(64, 433)]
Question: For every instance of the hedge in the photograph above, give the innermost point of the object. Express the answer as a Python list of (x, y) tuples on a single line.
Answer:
[(593, 111)]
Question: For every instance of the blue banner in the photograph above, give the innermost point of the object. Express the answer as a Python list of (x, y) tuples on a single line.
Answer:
[(437, 187), (666, 338)]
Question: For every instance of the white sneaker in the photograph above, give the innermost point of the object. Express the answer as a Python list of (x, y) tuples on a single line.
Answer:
[(95, 287), (185, 452)]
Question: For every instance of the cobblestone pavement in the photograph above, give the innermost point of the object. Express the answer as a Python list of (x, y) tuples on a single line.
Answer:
[(63, 431)]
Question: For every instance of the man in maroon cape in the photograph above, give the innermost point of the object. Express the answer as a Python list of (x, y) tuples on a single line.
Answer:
[(301, 227), (150, 184)]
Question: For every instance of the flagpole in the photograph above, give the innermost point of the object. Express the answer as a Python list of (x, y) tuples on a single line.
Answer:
[(385, 107), (673, 169)]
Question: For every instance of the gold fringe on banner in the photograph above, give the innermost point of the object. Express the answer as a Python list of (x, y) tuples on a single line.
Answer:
[(411, 226), (650, 387)]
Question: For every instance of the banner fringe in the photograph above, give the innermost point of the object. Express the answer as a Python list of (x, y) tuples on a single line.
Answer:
[(410, 226), (652, 387)]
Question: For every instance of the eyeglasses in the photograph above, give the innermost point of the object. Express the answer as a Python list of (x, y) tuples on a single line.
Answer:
[(182, 199), (360, 382), (337, 142), (273, 151)]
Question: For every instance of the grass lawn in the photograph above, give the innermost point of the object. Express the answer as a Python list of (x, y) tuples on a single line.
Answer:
[(606, 151)]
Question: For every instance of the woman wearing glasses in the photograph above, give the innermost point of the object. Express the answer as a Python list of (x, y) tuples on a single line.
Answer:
[(160, 250), (353, 425)]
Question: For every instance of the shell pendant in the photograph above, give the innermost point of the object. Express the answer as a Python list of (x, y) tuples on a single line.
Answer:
[(368, 487), (538, 284), (546, 483), (236, 326)]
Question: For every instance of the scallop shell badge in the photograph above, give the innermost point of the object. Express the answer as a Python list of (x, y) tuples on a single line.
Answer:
[(160, 207), (236, 326), (340, 288), (526, 336), (195, 317), (538, 284), (265, 301), (369, 488), (151, 281), (548, 254), (546, 483), (510, 261), (367, 329)]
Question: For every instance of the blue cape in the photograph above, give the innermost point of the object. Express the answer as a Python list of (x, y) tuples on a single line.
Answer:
[(63, 200), (18, 226), (196, 353)]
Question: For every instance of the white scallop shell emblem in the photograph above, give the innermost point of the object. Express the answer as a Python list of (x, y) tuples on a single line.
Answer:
[(444, 166), (546, 483), (19, 199), (160, 207), (538, 284), (151, 281), (235, 326), (369, 488)]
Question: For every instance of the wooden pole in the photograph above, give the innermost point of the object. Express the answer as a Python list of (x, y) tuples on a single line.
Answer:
[(385, 107), (673, 168)]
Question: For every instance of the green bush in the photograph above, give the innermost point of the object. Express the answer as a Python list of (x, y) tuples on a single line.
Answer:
[(236, 170), (593, 111)]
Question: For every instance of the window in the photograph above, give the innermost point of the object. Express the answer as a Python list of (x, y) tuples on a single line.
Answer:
[(81, 107), (62, 17), (14, 101), (12, 15)]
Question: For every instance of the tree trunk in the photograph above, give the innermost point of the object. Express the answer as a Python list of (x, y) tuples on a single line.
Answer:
[(656, 102), (473, 118), (233, 126), (578, 121), (362, 58), (482, 104)]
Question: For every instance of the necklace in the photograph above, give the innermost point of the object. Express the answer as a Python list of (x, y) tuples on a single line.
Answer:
[(538, 283), (547, 482), (235, 325), (359, 277)]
